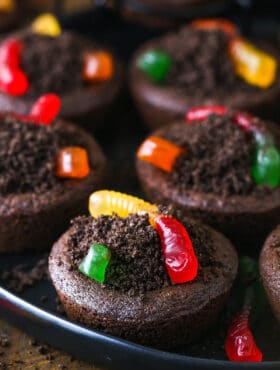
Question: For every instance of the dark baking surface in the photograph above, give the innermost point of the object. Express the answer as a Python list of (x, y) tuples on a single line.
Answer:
[(104, 350), (183, 9)]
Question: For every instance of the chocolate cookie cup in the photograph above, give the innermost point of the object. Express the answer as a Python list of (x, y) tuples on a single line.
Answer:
[(205, 63), (270, 269), (138, 299), (87, 78), (39, 190), (213, 170)]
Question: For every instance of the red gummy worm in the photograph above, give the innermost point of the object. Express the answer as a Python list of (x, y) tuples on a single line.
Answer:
[(13, 80), (10, 52), (201, 113), (180, 259), (45, 109), (240, 344), (244, 121)]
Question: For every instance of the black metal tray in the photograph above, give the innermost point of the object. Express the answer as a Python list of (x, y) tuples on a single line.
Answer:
[(104, 350), (41, 320)]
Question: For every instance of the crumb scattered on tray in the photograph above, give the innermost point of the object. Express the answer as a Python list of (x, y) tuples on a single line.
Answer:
[(19, 277)]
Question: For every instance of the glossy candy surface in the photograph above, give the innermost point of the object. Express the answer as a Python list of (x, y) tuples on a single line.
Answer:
[(180, 259), (72, 162), (106, 202), (245, 121), (263, 139), (266, 166), (159, 152), (155, 64), (46, 24), (95, 263), (266, 162), (98, 66), (45, 109), (240, 344), (201, 113), (10, 51), (13, 80), (215, 24), (253, 65)]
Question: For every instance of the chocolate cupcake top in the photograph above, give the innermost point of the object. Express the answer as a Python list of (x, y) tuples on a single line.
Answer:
[(27, 156), (137, 255), (142, 272), (206, 57), (224, 154), (218, 157), (136, 264), (52, 64), (201, 63), (35, 156), (137, 260), (43, 59)]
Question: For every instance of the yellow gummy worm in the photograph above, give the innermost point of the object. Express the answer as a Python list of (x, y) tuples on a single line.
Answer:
[(253, 65), (46, 24), (106, 202)]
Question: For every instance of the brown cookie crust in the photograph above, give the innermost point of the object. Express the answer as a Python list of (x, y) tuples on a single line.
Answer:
[(244, 219), (87, 101), (34, 221), (270, 269), (162, 104), (164, 317)]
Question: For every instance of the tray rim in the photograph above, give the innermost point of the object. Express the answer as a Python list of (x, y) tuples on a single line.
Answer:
[(19, 312)]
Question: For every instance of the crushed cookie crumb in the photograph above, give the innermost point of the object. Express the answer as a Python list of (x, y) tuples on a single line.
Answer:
[(201, 64), (218, 158), (137, 263)]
